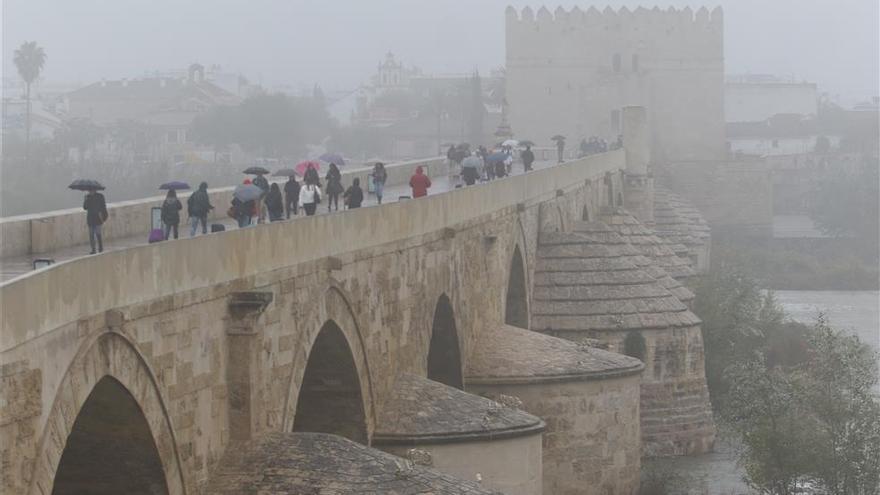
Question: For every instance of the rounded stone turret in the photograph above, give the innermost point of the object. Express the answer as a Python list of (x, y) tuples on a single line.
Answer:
[(592, 284), (322, 463), (589, 399), (464, 435)]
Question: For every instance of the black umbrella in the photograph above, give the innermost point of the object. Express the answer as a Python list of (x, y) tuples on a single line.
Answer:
[(86, 185), (175, 185), (285, 172), (255, 171), (558, 138)]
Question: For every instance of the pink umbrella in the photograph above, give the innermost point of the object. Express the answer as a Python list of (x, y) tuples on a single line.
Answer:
[(301, 167)]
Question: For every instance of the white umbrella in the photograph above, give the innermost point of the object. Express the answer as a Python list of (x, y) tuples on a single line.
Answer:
[(472, 161), (510, 142)]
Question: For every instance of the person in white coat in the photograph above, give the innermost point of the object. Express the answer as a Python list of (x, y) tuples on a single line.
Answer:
[(309, 197)]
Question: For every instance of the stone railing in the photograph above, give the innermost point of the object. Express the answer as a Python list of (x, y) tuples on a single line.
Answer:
[(44, 232), (43, 300)]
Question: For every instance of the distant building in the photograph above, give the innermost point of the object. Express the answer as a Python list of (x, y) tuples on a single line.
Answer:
[(44, 123), (166, 106)]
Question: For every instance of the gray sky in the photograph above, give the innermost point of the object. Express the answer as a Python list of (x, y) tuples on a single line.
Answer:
[(337, 43)]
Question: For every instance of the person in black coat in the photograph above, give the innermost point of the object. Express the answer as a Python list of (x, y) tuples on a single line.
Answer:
[(96, 215), (198, 206), (171, 213), (291, 195), (334, 186), (274, 203), (354, 196), (528, 158)]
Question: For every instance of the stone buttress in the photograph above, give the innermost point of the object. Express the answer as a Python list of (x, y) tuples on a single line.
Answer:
[(678, 221), (589, 399), (461, 434), (591, 284)]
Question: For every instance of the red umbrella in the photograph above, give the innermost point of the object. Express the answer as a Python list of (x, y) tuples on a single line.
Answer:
[(301, 167)]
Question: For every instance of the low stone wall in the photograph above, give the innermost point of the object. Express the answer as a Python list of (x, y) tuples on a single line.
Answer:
[(43, 232)]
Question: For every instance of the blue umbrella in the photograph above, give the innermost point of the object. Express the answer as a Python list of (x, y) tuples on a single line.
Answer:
[(497, 157), (332, 158), (247, 192), (174, 185)]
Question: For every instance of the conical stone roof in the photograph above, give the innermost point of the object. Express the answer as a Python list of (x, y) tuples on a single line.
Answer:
[(666, 266), (594, 281), (509, 355), (319, 463), (421, 411), (678, 221)]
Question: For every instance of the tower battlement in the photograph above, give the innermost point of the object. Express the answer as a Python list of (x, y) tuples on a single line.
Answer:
[(610, 17)]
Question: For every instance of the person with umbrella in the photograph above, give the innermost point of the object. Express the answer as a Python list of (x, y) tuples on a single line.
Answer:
[(379, 176), (197, 207), (528, 158), (96, 211), (470, 169), (171, 213), (261, 182), (244, 202), (334, 187), (309, 197), (560, 147)]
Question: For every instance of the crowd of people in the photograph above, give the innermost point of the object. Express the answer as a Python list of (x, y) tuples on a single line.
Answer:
[(279, 202)]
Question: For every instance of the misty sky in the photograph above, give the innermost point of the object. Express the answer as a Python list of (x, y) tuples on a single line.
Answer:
[(337, 43)]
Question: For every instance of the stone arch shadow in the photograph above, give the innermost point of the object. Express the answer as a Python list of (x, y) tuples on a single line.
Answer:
[(516, 300), (327, 334), (444, 356), (107, 369)]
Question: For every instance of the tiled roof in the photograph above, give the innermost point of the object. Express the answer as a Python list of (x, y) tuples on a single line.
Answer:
[(515, 355), (321, 464), (421, 411)]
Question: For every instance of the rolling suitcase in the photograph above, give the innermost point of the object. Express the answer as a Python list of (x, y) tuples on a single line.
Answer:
[(217, 227), (156, 235)]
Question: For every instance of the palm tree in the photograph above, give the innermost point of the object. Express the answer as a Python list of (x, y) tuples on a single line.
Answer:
[(29, 59)]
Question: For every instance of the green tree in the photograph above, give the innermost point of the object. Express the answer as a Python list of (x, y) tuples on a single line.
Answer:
[(218, 127), (29, 60), (817, 420), (80, 134), (836, 385)]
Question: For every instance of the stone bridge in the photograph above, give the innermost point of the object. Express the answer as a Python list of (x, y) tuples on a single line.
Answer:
[(252, 359)]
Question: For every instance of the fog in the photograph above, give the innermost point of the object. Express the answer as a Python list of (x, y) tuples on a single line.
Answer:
[(337, 43)]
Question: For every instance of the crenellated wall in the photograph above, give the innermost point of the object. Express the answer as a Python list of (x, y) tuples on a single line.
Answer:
[(571, 71)]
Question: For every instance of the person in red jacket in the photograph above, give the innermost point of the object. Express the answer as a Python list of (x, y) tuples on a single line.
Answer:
[(419, 183)]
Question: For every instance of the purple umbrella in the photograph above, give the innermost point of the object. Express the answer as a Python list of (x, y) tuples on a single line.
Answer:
[(332, 158), (174, 185)]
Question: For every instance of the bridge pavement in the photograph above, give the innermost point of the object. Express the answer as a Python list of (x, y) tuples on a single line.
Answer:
[(15, 266)]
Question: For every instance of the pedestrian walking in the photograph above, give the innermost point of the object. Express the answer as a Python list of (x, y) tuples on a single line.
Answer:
[(420, 183), (171, 214), (274, 203), (354, 195), (263, 183), (528, 158), (379, 176), (197, 207), (309, 198), (291, 195), (96, 215), (334, 186)]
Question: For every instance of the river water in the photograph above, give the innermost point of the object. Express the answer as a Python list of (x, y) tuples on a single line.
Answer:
[(855, 311)]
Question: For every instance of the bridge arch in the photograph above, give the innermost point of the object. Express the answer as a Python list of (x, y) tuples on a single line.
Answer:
[(110, 392), (444, 350), (516, 306), (332, 374)]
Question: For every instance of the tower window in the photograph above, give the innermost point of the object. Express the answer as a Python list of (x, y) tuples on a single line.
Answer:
[(615, 62)]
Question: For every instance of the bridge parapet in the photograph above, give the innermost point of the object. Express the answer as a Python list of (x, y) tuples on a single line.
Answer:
[(43, 232), (69, 291)]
